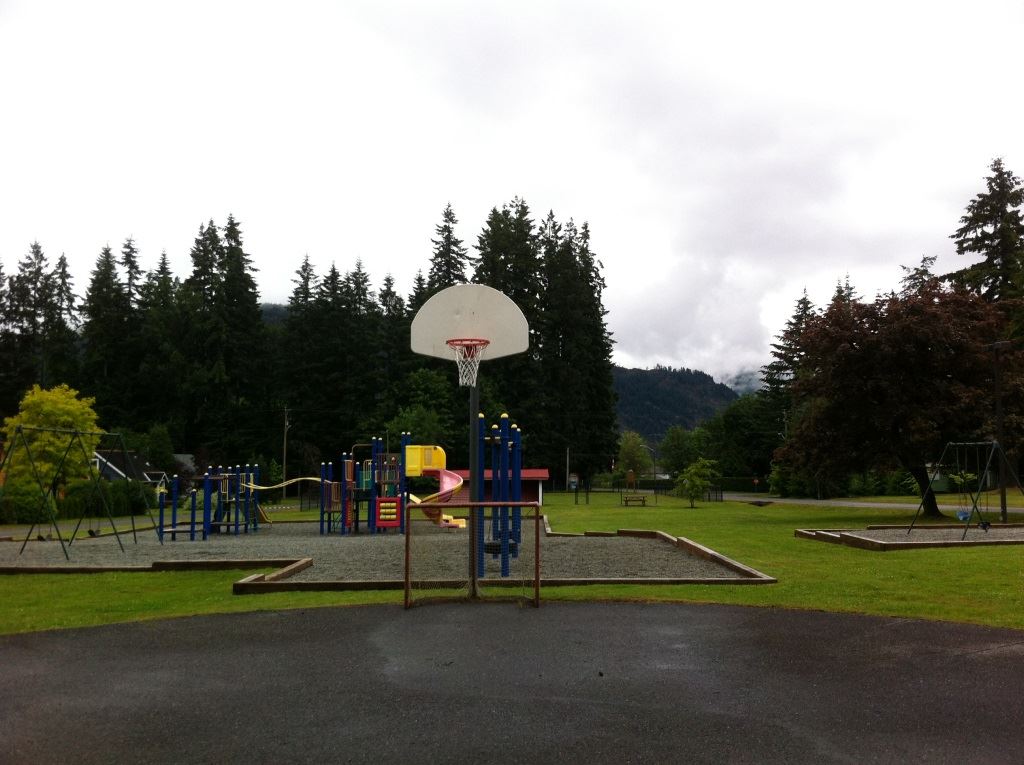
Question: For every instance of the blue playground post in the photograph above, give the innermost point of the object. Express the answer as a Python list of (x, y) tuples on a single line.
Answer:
[(504, 486), (234, 488), (220, 513), (517, 487), (256, 495), (331, 509), (174, 507), (207, 503), (247, 493), (192, 524), (495, 440)]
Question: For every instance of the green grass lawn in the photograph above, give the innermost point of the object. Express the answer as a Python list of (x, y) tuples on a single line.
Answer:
[(975, 584)]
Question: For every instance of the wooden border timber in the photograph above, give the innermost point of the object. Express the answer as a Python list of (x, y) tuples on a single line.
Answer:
[(857, 538)]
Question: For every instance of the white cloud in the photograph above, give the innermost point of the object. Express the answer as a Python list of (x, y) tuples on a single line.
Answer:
[(726, 155)]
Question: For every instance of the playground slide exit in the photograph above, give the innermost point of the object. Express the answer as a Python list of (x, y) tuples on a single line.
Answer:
[(430, 461)]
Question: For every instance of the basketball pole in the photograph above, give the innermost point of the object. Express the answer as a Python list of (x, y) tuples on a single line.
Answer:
[(475, 482)]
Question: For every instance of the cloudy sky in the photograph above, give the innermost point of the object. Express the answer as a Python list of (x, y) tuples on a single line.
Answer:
[(726, 155)]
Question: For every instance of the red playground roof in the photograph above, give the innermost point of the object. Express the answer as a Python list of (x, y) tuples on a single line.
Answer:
[(529, 474)]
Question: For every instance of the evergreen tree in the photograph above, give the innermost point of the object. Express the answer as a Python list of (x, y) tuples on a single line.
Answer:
[(509, 256), (992, 227), (364, 391), (238, 308), (573, 350), (39, 317), (164, 355), (28, 291), (105, 363), (203, 381), (395, 359), (305, 287), (132, 271), (450, 259), (509, 261), (206, 256), (419, 295), (60, 321), (787, 354), (915, 279), (9, 386)]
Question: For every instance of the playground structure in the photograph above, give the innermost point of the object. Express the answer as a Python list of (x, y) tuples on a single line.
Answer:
[(969, 466), (376, 488), (230, 503)]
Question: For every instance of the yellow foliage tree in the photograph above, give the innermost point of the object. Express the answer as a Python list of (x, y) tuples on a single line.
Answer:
[(44, 428)]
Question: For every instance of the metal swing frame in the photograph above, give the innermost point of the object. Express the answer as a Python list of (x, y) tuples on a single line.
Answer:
[(994, 452), (48, 488)]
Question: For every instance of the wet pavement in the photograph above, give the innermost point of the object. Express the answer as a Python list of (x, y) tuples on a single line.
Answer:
[(569, 682)]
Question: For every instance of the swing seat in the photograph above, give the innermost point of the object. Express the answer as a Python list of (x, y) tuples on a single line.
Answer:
[(963, 515)]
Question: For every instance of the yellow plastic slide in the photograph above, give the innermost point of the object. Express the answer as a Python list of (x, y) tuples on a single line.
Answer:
[(430, 460)]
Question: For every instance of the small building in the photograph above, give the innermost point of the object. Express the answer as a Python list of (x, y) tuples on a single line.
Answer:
[(533, 485), (116, 465)]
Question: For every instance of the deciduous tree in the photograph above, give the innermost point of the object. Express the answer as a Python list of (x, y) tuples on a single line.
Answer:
[(890, 382)]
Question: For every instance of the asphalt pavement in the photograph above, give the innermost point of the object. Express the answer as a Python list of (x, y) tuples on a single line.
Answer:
[(496, 683)]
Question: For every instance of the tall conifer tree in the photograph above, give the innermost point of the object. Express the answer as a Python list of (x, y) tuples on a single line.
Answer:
[(59, 323), (164, 356), (574, 349), (106, 366), (509, 261), (992, 227), (450, 259)]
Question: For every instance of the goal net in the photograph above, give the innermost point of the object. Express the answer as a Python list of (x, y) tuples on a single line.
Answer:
[(472, 551)]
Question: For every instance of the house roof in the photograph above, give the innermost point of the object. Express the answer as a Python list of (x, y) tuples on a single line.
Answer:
[(129, 464), (528, 474)]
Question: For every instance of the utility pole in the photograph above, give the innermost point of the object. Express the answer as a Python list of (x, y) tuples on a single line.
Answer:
[(998, 348), (284, 456)]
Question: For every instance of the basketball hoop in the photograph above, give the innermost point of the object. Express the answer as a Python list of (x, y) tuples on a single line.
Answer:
[(468, 351)]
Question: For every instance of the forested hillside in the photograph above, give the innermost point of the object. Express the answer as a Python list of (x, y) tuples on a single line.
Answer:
[(653, 400)]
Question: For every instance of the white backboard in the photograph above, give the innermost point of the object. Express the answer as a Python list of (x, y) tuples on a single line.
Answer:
[(470, 310)]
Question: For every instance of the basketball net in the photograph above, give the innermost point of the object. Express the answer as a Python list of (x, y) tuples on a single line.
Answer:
[(468, 351)]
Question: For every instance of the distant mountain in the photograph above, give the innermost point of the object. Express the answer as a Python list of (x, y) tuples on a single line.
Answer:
[(745, 381), (274, 314), (653, 400)]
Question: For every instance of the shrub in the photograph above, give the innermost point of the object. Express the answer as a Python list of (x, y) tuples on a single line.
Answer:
[(21, 502)]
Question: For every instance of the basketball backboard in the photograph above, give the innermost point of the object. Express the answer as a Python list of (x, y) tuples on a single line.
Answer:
[(469, 311)]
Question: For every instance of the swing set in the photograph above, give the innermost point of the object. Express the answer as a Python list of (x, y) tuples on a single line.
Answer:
[(33, 445), (973, 468)]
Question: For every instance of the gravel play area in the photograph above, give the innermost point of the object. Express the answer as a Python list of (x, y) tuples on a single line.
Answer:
[(436, 554), (923, 536), (930, 534)]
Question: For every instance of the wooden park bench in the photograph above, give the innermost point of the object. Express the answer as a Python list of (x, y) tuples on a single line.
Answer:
[(634, 499)]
